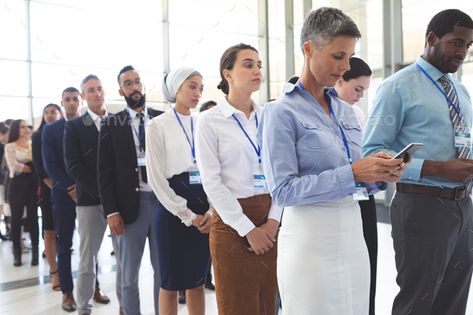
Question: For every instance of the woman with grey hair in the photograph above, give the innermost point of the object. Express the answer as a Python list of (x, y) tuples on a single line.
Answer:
[(183, 217), (311, 152)]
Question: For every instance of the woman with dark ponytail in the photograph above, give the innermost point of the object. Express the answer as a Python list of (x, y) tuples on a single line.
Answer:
[(245, 220)]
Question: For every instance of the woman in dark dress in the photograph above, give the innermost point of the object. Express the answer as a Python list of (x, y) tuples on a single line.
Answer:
[(51, 113)]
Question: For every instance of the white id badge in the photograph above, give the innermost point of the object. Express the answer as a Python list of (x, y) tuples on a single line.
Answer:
[(361, 192), (194, 177), (259, 181), (463, 138), (141, 160)]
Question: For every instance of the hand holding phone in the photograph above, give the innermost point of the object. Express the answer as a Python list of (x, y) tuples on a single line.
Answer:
[(408, 151)]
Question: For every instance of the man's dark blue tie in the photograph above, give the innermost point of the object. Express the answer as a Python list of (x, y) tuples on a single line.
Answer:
[(141, 135)]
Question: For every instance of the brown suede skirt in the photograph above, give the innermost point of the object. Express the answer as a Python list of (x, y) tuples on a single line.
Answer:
[(245, 283)]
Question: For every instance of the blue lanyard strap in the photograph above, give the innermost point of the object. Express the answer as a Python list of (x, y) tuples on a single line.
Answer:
[(139, 134), (344, 137), (191, 144), (256, 147), (449, 101)]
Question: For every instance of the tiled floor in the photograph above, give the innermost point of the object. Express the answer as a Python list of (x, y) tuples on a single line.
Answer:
[(25, 290)]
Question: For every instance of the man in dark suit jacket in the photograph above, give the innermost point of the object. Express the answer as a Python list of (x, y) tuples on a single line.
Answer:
[(80, 154), (63, 193), (128, 201)]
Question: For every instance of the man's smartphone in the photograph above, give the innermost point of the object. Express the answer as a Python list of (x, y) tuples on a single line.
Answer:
[(408, 151)]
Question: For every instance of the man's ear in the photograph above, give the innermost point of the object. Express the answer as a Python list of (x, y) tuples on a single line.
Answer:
[(120, 92), (432, 38)]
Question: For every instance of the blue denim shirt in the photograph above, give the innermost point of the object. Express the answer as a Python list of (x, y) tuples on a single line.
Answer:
[(304, 158), (409, 108)]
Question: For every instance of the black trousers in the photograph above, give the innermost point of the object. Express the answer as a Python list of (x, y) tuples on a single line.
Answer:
[(433, 241), (370, 233), (21, 194)]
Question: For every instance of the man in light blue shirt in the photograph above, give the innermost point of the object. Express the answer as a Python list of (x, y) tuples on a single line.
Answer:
[(431, 213)]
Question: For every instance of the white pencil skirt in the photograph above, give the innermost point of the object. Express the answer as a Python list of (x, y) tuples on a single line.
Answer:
[(323, 265)]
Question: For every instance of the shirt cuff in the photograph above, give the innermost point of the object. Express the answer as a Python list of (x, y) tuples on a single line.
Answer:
[(243, 226), (413, 170), (187, 217), (275, 212), (112, 214), (346, 179)]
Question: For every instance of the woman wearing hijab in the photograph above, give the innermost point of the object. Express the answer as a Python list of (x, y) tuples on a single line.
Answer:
[(183, 218)]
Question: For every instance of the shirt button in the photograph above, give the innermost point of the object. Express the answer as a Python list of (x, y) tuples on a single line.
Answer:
[(137, 189)]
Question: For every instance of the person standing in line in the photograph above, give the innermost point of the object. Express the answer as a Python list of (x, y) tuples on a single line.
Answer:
[(22, 188), (183, 218), (127, 199), (51, 113), (245, 221), (311, 152), (3, 175), (208, 282), (432, 211), (80, 154), (351, 88), (63, 192)]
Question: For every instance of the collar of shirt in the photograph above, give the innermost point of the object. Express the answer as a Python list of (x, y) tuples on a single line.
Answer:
[(289, 88), (133, 113), (228, 110), (434, 73), (95, 116)]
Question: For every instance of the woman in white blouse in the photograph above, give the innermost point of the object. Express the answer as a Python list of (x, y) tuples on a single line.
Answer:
[(21, 191), (243, 233), (183, 218)]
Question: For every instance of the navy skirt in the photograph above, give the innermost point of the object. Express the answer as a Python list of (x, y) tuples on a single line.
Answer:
[(184, 254)]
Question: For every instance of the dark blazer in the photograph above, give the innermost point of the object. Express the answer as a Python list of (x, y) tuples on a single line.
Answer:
[(37, 155), (80, 154), (53, 155), (44, 193), (118, 177)]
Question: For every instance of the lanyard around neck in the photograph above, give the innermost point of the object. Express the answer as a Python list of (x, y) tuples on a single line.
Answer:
[(449, 101), (139, 134), (255, 147), (191, 144)]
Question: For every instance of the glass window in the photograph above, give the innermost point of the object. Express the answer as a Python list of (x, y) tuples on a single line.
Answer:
[(416, 15), (16, 82), (14, 108), (200, 42), (14, 29)]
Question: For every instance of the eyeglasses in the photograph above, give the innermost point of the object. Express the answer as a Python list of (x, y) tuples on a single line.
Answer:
[(130, 83)]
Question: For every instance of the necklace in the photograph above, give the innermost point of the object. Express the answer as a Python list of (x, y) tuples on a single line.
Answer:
[(26, 151)]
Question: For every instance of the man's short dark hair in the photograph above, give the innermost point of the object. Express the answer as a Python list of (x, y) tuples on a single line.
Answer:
[(206, 105), (88, 78), (445, 21), (123, 70), (70, 89)]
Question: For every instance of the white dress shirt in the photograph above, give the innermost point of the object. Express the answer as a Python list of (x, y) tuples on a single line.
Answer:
[(135, 129), (360, 115), (227, 161), (96, 118), (167, 154)]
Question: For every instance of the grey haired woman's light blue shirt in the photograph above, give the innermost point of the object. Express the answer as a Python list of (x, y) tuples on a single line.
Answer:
[(304, 157)]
